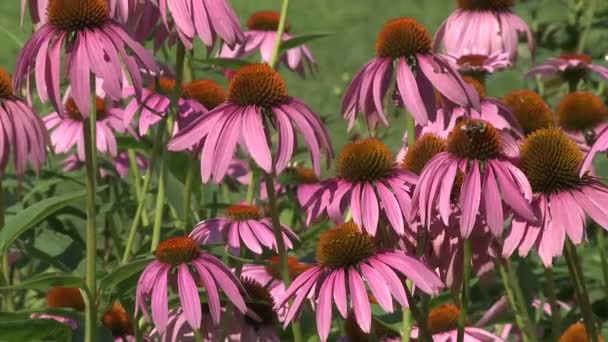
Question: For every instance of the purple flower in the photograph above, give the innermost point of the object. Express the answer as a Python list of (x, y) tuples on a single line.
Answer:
[(475, 152), (582, 115), (206, 19), (257, 101), (245, 225), (122, 163), (176, 260), (23, 137), (67, 130), (570, 66), (369, 183), (347, 258), (484, 26), (420, 74), (600, 145), (262, 34), (473, 62), (93, 44), (563, 199)]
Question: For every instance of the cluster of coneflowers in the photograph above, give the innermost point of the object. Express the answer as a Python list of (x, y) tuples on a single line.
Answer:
[(477, 180)]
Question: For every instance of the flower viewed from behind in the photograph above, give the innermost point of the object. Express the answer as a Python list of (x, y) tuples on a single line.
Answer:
[(347, 259), (571, 67), (551, 161), (23, 137), (180, 261), (476, 150), (257, 101), (582, 115), (479, 64), (205, 19), (261, 35), (68, 130), (443, 326), (488, 26), (93, 44), (369, 183), (244, 226), (420, 75), (530, 110)]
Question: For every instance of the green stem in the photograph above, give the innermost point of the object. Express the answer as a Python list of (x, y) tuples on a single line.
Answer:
[(464, 299), (601, 245), (188, 190), (280, 30), (410, 126), (254, 183), (587, 28), (90, 145), (278, 233), (162, 178), (423, 331), (407, 321), (6, 269), (139, 194), (519, 305), (576, 272), (555, 309)]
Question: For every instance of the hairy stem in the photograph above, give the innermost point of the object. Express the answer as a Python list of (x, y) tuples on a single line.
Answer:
[(555, 309), (188, 183), (464, 296), (139, 193)]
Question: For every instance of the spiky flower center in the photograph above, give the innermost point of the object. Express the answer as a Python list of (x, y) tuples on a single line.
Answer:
[(6, 84), (65, 297), (443, 319), (581, 110), (294, 266), (344, 245), (577, 332), (486, 5), (206, 92), (74, 113), (479, 87), (117, 320), (165, 86), (475, 139), (177, 250), (265, 21), (365, 160), (586, 59), (422, 151), (530, 110), (76, 15), (243, 212), (259, 85), (403, 37), (551, 160), (261, 301)]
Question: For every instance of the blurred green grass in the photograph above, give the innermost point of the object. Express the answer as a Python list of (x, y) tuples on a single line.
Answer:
[(354, 25)]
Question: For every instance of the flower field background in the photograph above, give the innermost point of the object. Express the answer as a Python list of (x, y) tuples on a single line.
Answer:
[(44, 243)]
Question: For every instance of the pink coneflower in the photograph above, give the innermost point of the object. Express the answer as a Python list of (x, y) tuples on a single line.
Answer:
[(270, 277), (117, 320), (600, 145), (347, 258), (420, 74), (93, 44), (205, 19), (571, 67), (261, 35), (582, 115), (483, 25), (178, 328), (62, 298), (176, 259), (122, 163), (257, 101), (443, 325), (479, 63), (369, 183), (262, 328), (551, 161), (244, 225), (530, 110), (476, 150), (67, 131), (195, 99), (23, 136)]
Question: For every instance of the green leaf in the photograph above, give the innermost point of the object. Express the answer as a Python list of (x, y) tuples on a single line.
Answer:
[(34, 214), (226, 63), (301, 40), (123, 272), (46, 280), (34, 330)]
